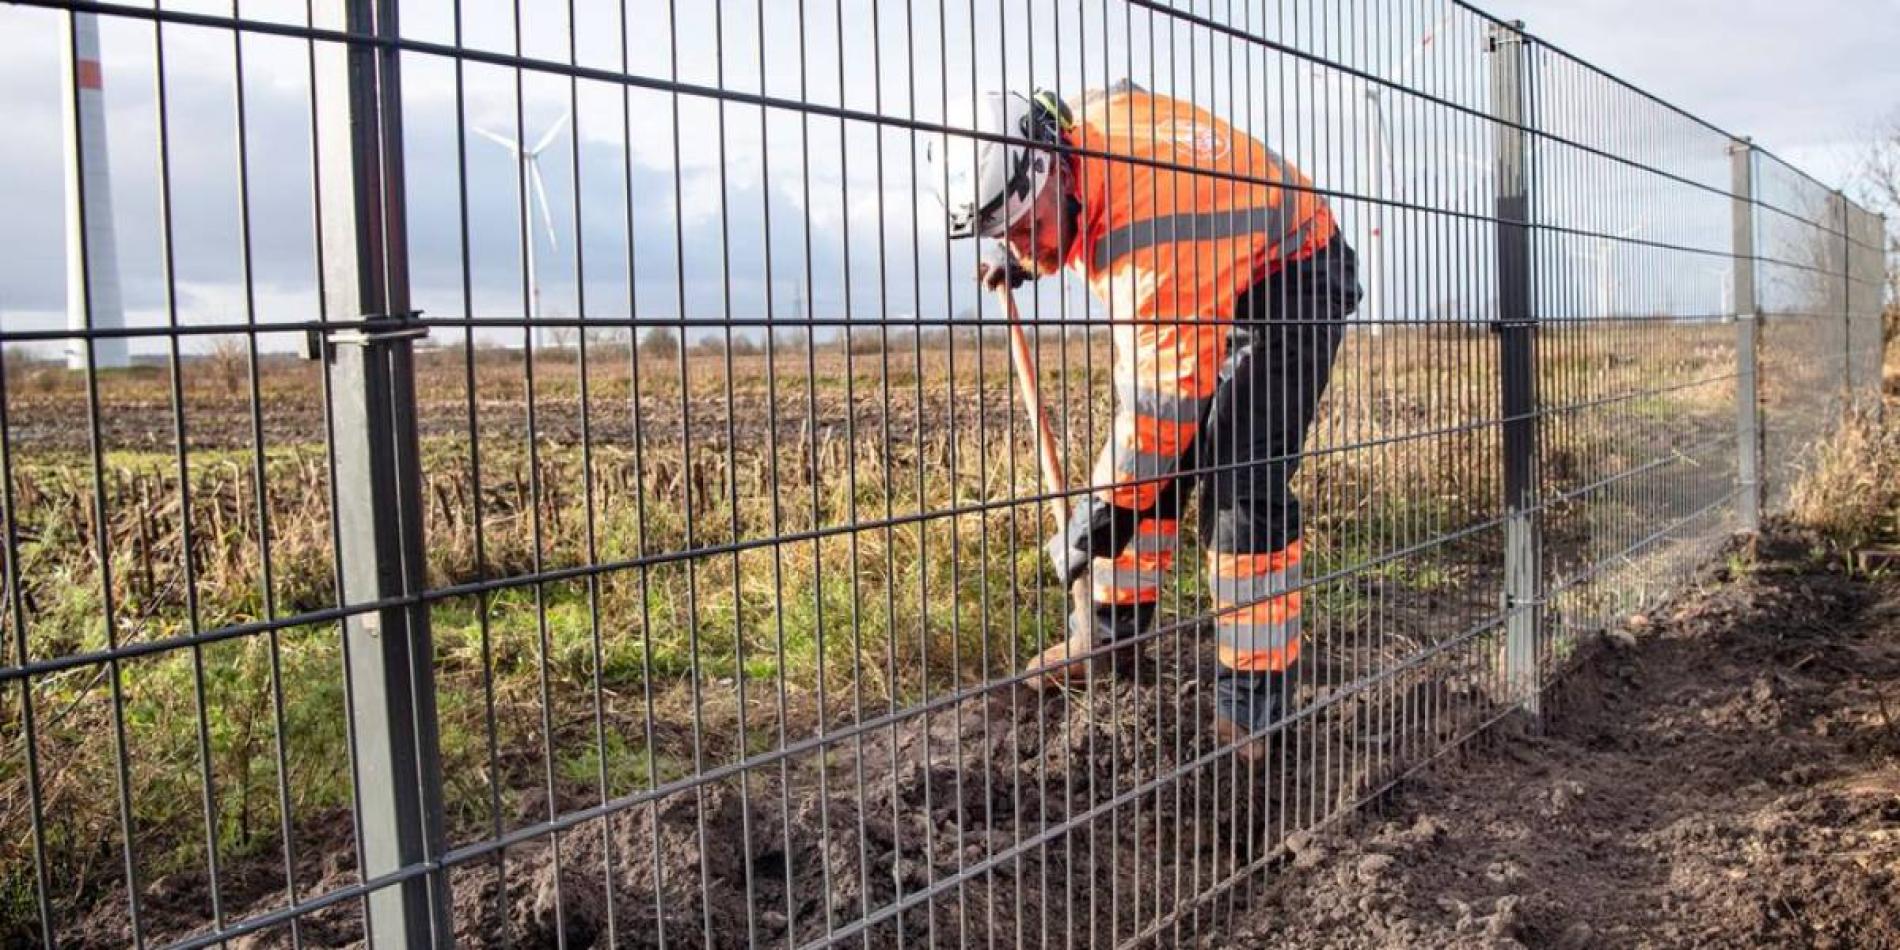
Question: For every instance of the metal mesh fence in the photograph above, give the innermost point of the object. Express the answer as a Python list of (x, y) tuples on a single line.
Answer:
[(541, 473), (1805, 360)]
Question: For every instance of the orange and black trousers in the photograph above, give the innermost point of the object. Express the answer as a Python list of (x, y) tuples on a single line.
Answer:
[(1285, 337)]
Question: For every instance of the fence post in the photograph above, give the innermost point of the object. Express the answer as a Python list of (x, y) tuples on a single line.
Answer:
[(389, 654), (1747, 334), (1847, 307), (1517, 367), (1882, 302)]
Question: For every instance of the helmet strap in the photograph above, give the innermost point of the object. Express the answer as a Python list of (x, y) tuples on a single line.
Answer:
[(1071, 205), (1054, 110)]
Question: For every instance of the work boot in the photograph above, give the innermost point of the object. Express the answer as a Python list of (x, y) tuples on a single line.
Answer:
[(1058, 672), (1246, 705), (1055, 670)]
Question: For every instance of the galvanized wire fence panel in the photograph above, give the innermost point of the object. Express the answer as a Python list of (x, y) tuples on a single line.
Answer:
[(1637, 352), (539, 473), (1803, 288), (1867, 305)]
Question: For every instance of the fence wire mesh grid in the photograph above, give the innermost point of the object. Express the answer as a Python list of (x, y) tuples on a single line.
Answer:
[(634, 537)]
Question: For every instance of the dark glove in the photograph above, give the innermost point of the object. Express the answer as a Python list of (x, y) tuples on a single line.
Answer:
[(1069, 560), (1095, 529), (996, 265)]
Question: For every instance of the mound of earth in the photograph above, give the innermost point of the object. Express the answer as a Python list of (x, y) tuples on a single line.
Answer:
[(1727, 775)]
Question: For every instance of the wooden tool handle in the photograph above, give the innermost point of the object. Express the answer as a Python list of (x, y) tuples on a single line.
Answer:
[(1055, 480)]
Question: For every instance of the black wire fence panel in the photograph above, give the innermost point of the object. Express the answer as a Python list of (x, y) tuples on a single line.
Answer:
[(540, 473)]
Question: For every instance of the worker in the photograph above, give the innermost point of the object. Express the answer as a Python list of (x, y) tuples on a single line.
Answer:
[(1227, 286)]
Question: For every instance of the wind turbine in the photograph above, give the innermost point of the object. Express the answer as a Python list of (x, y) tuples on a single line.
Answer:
[(537, 195), (1379, 169), (93, 298), (1600, 257), (1725, 288)]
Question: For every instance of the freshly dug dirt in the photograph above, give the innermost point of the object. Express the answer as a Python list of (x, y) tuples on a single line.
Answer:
[(1726, 775), (959, 817)]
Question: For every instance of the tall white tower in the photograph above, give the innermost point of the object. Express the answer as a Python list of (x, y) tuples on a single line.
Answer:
[(89, 233)]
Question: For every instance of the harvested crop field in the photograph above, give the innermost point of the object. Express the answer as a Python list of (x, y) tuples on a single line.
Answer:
[(1724, 774)]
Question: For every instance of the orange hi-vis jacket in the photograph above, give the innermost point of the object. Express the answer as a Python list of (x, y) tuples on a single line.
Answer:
[(1169, 238), (1181, 214)]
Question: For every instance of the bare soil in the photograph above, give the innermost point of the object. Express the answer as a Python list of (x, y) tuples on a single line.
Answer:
[(1726, 775), (959, 816)]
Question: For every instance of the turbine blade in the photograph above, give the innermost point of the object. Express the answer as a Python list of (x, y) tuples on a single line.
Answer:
[(504, 142), (541, 194), (553, 131)]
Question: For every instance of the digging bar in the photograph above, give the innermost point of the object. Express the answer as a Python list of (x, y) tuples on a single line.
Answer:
[(1055, 480)]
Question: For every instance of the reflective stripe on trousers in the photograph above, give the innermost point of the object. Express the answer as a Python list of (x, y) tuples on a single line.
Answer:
[(1257, 607)]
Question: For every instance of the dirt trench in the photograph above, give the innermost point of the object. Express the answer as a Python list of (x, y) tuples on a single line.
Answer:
[(1727, 774)]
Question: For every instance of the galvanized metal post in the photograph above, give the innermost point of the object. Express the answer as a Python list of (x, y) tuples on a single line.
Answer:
[(1747, 334), (1517, 367), (1847, 307), (390, 658), (1882, 301)]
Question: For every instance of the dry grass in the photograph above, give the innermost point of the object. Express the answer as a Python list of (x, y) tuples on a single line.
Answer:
[(1849, 490)]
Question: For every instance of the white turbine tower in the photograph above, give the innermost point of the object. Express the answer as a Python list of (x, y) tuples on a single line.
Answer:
[(1599, 257), (537, 196), (93, 299)]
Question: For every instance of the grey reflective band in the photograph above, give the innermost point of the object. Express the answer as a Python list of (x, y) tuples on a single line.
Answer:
[(1290, 244), (1162, 407), (1256, 637), (1144, 465), (1153, 542), (1126, 579), (1206, 226), (1229, 591)]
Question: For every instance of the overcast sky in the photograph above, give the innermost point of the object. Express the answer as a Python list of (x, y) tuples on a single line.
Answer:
[(1807, 79)]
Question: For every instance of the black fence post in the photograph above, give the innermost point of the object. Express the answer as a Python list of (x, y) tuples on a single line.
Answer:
[(1517, 366), (388, 651), (1747, 334)]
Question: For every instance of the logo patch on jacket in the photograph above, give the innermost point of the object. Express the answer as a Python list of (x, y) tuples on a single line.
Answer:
[(1206, 143)]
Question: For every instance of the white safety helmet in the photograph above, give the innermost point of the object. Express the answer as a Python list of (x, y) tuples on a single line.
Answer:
[(993, 184)]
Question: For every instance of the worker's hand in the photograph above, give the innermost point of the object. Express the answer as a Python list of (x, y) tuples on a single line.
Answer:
[(1069, 558), (996, 266)]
